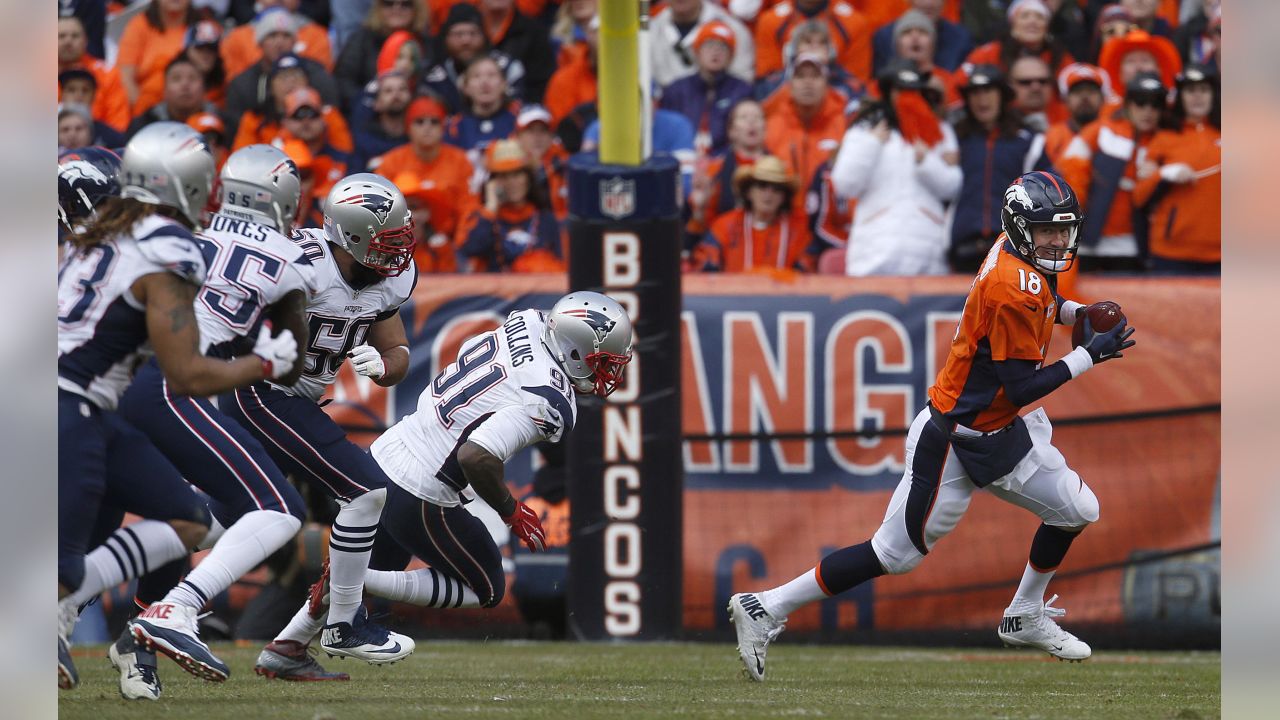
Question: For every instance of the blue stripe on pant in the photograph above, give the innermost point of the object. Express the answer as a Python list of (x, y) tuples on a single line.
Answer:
[(304, 441), (211, 450), (926, 475), (449, 539)]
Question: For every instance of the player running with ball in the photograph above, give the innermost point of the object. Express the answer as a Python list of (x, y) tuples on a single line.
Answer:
[(970, 435)]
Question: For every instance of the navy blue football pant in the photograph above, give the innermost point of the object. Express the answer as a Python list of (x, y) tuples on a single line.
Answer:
[(449, 539), (107, 468), (304, 441), (211, 450)]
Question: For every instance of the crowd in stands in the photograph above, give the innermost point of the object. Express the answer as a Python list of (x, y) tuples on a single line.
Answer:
[(858, 137)]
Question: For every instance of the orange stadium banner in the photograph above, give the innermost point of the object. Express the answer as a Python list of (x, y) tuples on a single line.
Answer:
[(779, 372)]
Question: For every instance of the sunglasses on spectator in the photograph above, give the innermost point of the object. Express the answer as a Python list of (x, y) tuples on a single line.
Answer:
[(406, 4), (1147, 102), (427, 121), (305, 113), (1028, 82)]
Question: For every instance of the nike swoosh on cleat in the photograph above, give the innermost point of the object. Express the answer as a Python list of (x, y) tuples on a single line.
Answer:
[(759, 665), (395, 649)]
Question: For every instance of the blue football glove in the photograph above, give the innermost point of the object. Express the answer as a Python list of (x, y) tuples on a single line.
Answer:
[(1103, 346)]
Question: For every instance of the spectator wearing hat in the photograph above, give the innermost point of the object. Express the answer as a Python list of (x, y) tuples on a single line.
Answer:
[(1137, 51), (767, 234), (202, 50), (811, 36), (434, 250), (241, 47), (251, 89), (996, 147), (1033, 93), (951, 41), (805, 117), (1027, 34), (262, 125), (1112, 21), (487, 112), (461, 41), (150, 41), (1101, 165), (1180, 181), (1084, 88), (574, 83), (705, 97), (357, 63), (426, 156), (383, 127), (76, 128), (1146, 15), (1198, 39), (900, 163), (850, 33), (672, 32), (210, 126), (515, 230), (550, 161), (110, 103), (304, 137), (713, 191), (571, 26), (183, 96), (513, 33), (78, 87), (914, 40)]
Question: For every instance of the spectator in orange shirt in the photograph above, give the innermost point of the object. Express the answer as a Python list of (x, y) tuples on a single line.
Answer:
[(571, 26), (811, 36), (110, 104), (1180, 181), (263, 124), (574, 83), (433, 250), (78, 87), (215, 136), (240, 47), (1137, 52), (305, 138), (805, 118), (150, 40), (766, 233), (713, 192), (1028, 34), (533, 132), (358, 62), (850, 31), (276, 32), (201, 48), (515, 231), (183, 97), (1084, 87), (427, 157)]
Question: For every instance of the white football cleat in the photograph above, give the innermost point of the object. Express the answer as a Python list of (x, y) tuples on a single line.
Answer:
[(139, 678), (756, 628), (173, 630), (1031, 626), (364, 640), (68, 614)]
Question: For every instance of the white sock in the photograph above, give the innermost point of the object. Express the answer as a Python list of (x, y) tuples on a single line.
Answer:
[(426, 587), (349, 545), (129, 552), (302, 628), (244, 546), (782, 600), (1032, 588)]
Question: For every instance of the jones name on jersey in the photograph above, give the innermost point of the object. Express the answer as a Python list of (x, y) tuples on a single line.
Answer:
[(505, 392), (102, 328), (338, 316)]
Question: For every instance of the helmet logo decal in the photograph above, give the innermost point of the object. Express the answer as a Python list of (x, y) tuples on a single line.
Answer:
[(1018, 194), (83, 170), (379, 205), (597, 320)]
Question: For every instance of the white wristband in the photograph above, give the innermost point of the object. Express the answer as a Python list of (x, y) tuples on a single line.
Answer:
[(1078, 361), (1067, 313)]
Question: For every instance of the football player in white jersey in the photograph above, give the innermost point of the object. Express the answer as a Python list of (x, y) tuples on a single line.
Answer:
[(364, 264), (509, 389), (126, 288), (256, 275)]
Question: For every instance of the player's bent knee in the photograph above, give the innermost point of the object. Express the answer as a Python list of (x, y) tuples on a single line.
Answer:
[(1086, 506), (896, 561), (499, 592), (190, 533)]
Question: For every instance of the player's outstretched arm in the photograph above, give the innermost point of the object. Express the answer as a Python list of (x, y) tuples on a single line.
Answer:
[(484, 472), (290, 313), (385, 358), (175, 336)]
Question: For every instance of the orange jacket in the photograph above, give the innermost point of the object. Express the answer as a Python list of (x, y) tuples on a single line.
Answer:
[(1057, 138), (254, 128), (1186, 219), (450, 170), (735, 245), (803, 146), (571, 85), (850, 33), (240, 51), (148, 51), (110, 103), (1108, 135)]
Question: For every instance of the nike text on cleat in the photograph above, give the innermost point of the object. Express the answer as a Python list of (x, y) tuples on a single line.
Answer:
[(68, 678), (171, 629), (291, 660), (139, 678), (318, 594), (366, 641), (1033, 626), (756, 628)]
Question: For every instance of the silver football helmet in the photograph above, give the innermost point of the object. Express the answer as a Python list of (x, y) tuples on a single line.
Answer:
[(261, 184), (168, 163), (367, 215), (589, 335)]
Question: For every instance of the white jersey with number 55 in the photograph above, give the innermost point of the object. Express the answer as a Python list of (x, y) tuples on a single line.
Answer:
[(504, 393)]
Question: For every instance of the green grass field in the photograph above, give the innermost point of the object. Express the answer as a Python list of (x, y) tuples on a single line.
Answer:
[(567, 681)]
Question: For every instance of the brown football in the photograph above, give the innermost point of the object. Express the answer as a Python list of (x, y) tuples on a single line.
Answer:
[(1102, 316)]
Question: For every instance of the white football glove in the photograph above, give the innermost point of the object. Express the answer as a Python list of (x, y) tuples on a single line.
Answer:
[(367, 361), (278, 354), (1177, 173)]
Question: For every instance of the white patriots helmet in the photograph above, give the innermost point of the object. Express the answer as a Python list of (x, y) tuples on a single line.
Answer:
[(168, 163), (367, 215), (589, 335), (261, 184)]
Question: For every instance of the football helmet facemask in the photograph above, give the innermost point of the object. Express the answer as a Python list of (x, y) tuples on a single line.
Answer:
[(589, 335), (367, 215)]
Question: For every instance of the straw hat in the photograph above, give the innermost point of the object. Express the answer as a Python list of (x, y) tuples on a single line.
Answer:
[(505, 156), (767, 169)]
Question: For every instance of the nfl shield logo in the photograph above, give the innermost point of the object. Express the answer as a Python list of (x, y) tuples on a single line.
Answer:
[(617, 197)]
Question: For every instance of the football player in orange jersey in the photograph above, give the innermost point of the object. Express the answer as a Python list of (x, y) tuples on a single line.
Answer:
[(970, 436)]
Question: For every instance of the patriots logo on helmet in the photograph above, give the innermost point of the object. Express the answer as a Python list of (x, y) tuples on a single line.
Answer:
[(379, 205), (1018, 194), (596, 319), (83, 170)]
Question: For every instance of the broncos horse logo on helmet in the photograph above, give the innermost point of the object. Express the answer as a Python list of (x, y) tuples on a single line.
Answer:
[(85, 177), (1042, 198)]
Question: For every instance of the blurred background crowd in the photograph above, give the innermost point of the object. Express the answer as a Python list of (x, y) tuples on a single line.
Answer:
[(846, 137)]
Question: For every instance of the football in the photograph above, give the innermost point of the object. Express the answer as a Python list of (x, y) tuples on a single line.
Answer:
[(1102, 316)]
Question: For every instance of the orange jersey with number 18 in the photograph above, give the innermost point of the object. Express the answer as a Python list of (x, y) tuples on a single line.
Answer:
[(1009, 315)]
